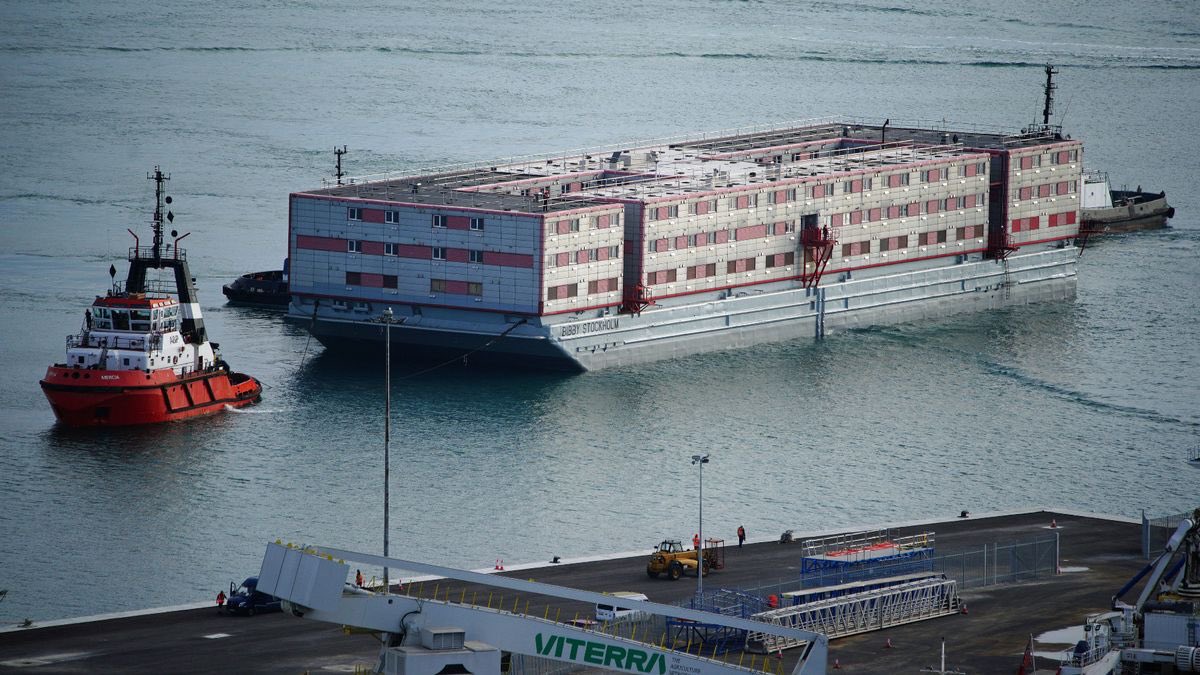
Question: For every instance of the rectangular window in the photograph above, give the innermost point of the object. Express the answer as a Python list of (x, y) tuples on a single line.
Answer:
[(564, 259), (913, 209), (874, 215), (474, 288), (354, 213), (711, 237), (391, 217), (602, 221), (693, 240), (477, 224), (1061, 188), (933, 206), (439, 253), (475, 256), (1044, 190), (1025, 193), (437, 285), (439, 221), (573, 224), (353, 278), (353, 246), (1027, 162), (390, 281), (835, 220), (390, 249), (593, 254), (817, 191), (893, 211)]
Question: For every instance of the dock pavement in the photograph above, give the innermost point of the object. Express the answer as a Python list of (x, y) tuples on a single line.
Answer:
[(1098, 554)]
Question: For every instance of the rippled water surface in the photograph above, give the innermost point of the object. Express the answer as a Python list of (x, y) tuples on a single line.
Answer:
[(1086, 405)]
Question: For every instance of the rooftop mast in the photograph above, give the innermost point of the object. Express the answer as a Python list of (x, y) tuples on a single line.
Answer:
[(1048, 108), (160, 199)]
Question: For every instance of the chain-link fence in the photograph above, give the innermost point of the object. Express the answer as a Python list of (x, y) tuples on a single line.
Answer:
[(1156, 531)]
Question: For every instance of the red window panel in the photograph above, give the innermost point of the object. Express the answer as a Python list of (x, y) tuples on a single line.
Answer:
[(1061, 188), (581, 257), (660, 245), (780, 196), (741, 265), (1070, 217), (951, 204), (701, 208), (856, 217), (320, 243), (933, 175), (835, 220), (662, 213), (969, 201), (1025, 193), (913, 209), (602, 253), (1063, 157), (459, 287), (513, 259), (414, 251), (458, 222), (933, 206), (1052, 220), (563, 227), (1027, 162), (874, 214), (856, 248), (602, 221), (894, 180), (664, 276), (856, 185), (562, 259), (779, 228), (681, 242), (371, 280), (1016, 226), (457, 255), (1044, 190), (372, 216), (1035, 222), (742, 202), (893, 211), (372, 247), (968, 170), (818, 191), (751, 232), (574, 187), (722, 236)]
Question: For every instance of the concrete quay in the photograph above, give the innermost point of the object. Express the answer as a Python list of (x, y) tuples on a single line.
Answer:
[(1098, 554)]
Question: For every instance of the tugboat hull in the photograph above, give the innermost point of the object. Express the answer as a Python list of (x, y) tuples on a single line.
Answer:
[(94, 398)]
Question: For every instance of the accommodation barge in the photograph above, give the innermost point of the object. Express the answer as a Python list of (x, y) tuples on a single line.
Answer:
[(626, 255)]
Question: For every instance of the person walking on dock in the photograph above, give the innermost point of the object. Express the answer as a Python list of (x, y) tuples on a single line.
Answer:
[(696, 541), (220, 601), (741, 535), (358, 580)]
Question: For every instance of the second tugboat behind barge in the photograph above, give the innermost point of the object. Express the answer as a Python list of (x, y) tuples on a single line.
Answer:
[(143, 355)]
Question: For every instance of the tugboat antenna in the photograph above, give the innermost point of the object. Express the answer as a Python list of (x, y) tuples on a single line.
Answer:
[(1048, 108), (339, 152), (159, 200)]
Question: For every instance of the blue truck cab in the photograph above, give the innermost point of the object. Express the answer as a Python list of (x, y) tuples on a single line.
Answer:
[(249, 601)]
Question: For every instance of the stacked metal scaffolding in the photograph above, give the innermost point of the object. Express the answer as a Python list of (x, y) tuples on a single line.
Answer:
[(859, 612)]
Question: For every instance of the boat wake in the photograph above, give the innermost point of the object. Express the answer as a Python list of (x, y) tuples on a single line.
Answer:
[(250, 411)]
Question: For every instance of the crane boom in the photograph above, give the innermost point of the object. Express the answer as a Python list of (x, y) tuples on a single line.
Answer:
[(313, 581)]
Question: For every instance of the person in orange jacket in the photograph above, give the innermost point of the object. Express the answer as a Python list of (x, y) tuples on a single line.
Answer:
[(358, 580), (220, 601), (741, 536), (696, 541)]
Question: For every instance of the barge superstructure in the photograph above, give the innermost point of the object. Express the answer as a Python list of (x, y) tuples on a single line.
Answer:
[(630, 254)]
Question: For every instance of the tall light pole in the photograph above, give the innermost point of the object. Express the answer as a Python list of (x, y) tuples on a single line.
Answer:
[(387, 431), (701, 460)]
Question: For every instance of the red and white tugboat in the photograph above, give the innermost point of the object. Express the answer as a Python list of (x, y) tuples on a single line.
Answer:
[(143, 355)]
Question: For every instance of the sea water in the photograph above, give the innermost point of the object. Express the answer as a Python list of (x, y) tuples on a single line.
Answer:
[(1087, 405)]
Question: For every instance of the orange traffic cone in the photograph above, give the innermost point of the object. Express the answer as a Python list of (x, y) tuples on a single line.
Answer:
[(964, 608), (500, 565), (1053, 524), (837, 665), (497, 565)]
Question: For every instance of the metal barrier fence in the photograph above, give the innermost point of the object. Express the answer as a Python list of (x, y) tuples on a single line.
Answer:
[(989, 565), (1156, 531)]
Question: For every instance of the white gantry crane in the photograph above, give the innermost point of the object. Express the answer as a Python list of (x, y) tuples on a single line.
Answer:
[(426, 636)]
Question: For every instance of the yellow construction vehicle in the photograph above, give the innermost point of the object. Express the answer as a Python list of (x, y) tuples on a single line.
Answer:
[(670, 557)]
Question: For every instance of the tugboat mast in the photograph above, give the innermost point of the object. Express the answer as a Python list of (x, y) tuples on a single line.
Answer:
[(159, 179), (339, 152)]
